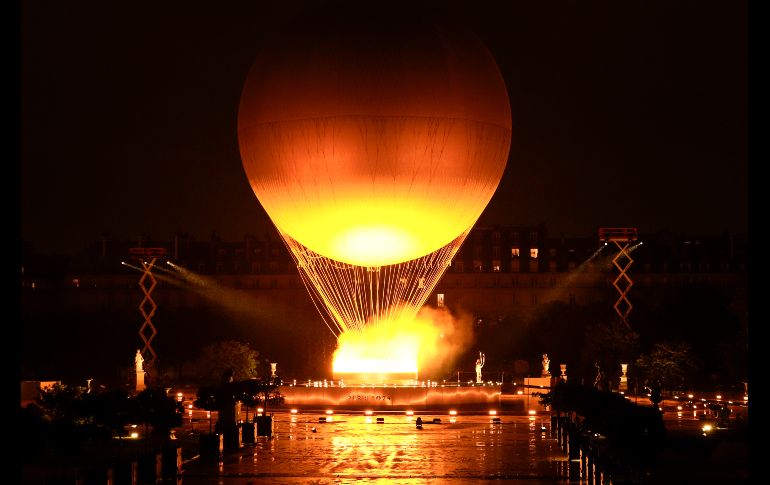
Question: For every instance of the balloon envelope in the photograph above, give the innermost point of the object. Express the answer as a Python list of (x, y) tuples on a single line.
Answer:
[(374, 146)]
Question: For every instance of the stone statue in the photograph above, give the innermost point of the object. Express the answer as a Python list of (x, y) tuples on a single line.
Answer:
[(273, 367), (139, 361), (599, 381), (479, 365), (546, 363), (563, 368)]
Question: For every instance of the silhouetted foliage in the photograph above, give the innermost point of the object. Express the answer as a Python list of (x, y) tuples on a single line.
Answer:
[(219, 357), (668, 364)]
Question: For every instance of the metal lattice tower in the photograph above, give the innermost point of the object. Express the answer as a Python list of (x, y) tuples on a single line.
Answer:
[(621, 237), (147, 283)]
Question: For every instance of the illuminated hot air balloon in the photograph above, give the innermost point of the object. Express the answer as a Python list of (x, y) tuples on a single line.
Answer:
[(373, 145)]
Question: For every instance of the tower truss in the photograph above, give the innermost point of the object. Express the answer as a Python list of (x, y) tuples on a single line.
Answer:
[(622, 237)]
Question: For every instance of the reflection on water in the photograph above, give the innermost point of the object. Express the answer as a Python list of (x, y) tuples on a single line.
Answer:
[(352, 448)]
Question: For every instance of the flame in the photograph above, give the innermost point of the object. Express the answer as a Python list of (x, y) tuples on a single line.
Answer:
[(402, 346)]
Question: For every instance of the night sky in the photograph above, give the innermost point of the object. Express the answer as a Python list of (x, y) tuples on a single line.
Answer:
[(624, 113)]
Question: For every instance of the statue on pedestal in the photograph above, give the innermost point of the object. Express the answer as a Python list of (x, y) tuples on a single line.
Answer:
[(563, 368), (139, 367), (623, 378), (546, 363), (273, 366), (479, 365)]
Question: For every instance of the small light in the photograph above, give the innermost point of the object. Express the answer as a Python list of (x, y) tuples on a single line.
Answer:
[(452, 412), (368, 412), (189, 406), (679, 408), (745, 398), (410, 413), (706, 427), (492, 412), (329, 411), (690, 396), (719, 396), (519, 392), (208, 414), (293, 411), (532, 412), (134, 434), (259, 410)]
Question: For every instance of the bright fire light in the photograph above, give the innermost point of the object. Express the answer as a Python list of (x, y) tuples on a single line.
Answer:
[(453, 412), (293, 411), (492, 412), (410, 413), (368, 412), (398, 349), (532, 411)]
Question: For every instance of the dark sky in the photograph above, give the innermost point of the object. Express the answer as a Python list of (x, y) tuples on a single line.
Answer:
[(624, 113)]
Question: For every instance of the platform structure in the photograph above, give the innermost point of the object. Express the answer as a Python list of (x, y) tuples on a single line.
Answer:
[(426, 395), (621, 237), (147, 257)]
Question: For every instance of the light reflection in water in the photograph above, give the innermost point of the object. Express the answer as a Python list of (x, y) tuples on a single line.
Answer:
[(352, 448)]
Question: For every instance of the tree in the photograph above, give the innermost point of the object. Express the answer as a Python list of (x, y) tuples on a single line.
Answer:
[(156, 408), (669, 363), (217, 358), (611, 344)]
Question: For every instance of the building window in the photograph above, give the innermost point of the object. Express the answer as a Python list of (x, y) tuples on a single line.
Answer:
[(533, 267), (274, 283), (496, 237), (533, 253), (477, 266), (571, 265), (515, 237), (496, 265), (459, 266), (255, 267), (421, 283), (552, 252), (273, 266), (477, 252), (552, 266), (496, 252), (220, 267), (514, 252), (572, 299), (440, 300), (533, 237), (534, 299), (237, 267)]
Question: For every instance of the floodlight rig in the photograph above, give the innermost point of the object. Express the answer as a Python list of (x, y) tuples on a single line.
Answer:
[(148, 257), (621, 236)]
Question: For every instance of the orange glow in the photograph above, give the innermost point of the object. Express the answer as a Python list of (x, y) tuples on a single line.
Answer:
[(401, 347), (453, 413), (492, 412), (381, 160), (532, 411)]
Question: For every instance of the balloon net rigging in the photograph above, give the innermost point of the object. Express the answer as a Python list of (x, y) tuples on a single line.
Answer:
[(351, 298)]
